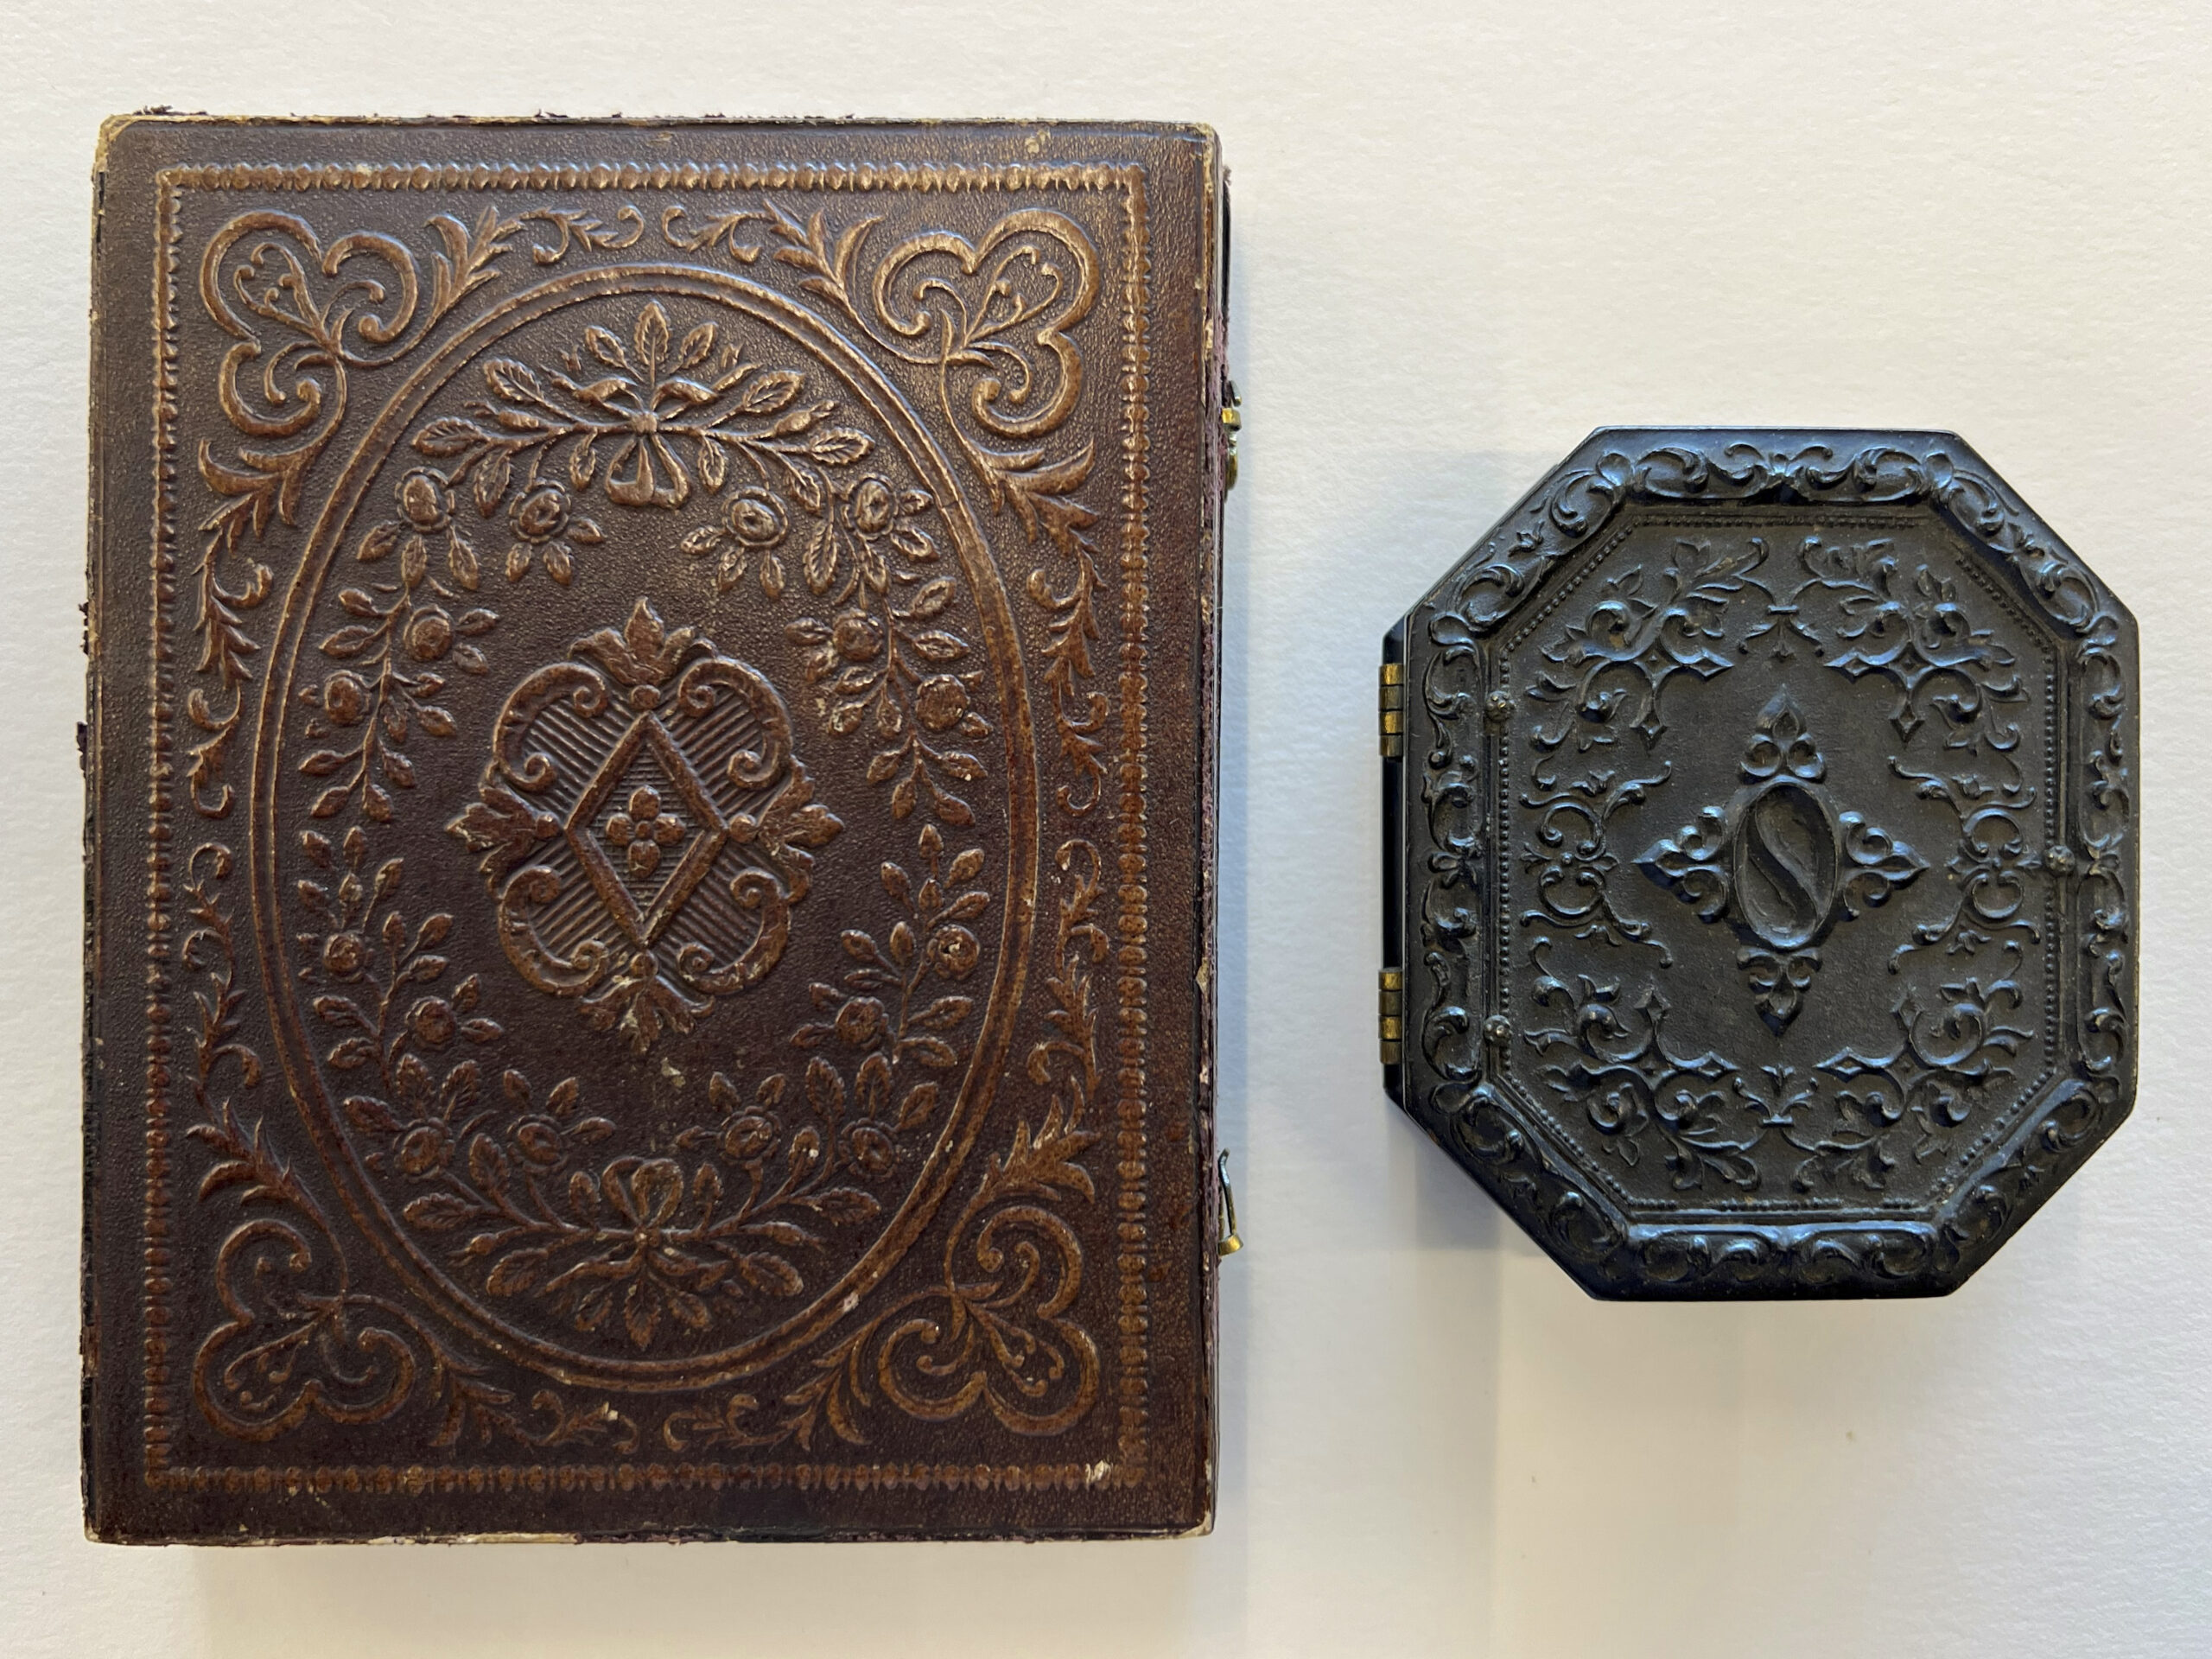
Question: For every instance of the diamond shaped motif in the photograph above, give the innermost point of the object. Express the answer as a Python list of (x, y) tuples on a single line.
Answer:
[(643, 827), (591, 830)]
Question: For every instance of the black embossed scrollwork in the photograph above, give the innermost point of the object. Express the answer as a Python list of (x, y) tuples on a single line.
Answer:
[(1840, 1130), (1579, 502), (1781, 863)]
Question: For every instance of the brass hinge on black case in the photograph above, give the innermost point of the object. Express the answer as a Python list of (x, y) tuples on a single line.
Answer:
[(1390, 1004), (1391, 708)]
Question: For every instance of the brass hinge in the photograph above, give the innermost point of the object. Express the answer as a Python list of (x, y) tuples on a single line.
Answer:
[(1390, 1011), (1231, 424), (1230, 1241), (1392, 707)]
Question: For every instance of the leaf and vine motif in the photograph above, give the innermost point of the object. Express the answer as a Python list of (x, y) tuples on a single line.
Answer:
[(659, 1250), (1618, 1066), (1066, 1060), (353, 304), (634, 1241), (1946, 670), (1456, 863), (1915, 632), (375, 975), (1613, 665), (1078, 714), (210, 949), (890, 664), (886, 658), (1991, 872), (1580, 500), (575, 228), (984, 1347), (890, 1010), (990, 320), (2099, 870), (995, 1330), (297, 1340), (1946, 1061), (859, 523), (1854, 1118), (637, 1243), (225, 645), (973, 313), (396, 653), (987, 1344), (670, 409), (542, 521), (664, 408)]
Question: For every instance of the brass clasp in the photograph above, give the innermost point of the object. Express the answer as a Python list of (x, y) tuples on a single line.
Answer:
[(1229, 1243)]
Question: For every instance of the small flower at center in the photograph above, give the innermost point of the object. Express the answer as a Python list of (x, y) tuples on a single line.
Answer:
[(425, 499), (644, 829), (428, 634), (541, 514)]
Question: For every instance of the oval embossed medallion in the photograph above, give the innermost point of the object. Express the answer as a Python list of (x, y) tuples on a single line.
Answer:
[(1786, 865), (646, 602)]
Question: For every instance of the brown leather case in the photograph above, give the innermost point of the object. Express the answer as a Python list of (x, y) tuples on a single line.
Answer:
[(650, 841)]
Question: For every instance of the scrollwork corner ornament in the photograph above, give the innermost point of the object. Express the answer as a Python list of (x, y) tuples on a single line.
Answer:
[(1921, 879), (295, 1339), (304, 315)]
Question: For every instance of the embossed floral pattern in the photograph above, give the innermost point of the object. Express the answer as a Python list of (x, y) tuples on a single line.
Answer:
[(435, 1116), (405, 638), (640, 419), (643, 829), (380, 998), (654, 1248)]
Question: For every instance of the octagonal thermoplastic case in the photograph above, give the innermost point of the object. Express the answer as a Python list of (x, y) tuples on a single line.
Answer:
[(1760, 862)]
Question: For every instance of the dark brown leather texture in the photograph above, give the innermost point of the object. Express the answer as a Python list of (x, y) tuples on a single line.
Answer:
[(650, 863)]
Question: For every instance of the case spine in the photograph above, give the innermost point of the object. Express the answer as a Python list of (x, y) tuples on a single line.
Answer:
[(1390, 987)]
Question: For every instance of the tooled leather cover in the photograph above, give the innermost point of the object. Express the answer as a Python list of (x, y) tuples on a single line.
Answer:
[(648, 869)]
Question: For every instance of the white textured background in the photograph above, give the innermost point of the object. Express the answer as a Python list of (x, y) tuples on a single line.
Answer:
[(1462, 241)]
